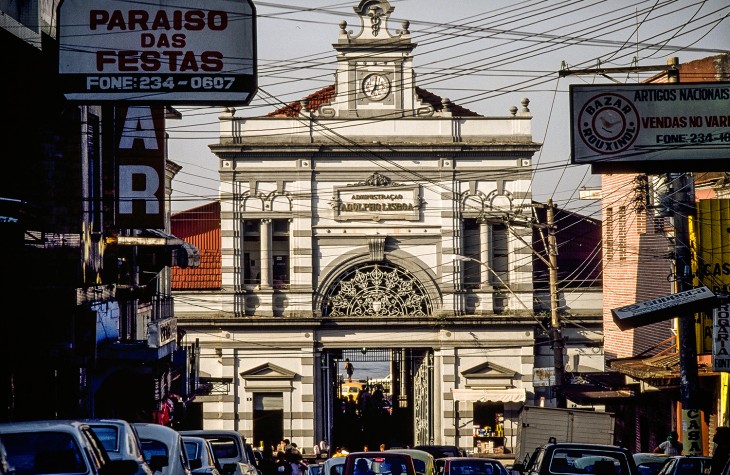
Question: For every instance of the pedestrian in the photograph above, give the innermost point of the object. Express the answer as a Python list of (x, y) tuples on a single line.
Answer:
[(721, 453), (295, 458), (349, 369), (283, 467), (324, 448), (382, 447), (268, 461), (671, 446)]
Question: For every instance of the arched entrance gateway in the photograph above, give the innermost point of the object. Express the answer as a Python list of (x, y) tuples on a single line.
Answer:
[(396, 411)]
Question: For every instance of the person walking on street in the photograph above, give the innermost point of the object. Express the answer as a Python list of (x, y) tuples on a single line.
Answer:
[(671, 446), (283, 467), (721, 453), (349, 369)]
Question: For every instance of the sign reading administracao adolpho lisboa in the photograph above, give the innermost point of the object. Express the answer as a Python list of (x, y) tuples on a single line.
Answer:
[(375, 199), (678, 124)]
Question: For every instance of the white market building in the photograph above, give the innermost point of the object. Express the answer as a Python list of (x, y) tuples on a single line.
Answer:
[(343, 218)]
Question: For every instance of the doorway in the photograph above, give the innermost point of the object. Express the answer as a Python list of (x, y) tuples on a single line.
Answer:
[(393, 409), (268, 419)]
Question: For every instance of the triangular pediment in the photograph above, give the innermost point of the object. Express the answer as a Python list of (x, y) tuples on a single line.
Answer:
[(268, 371), (489, 370)]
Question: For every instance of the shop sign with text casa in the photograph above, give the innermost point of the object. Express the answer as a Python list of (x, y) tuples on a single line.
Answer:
[(712, 266), (140, 157), (680, 125), (172, 52), (692, 431)]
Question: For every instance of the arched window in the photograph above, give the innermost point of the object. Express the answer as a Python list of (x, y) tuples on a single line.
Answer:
[(377, 290)]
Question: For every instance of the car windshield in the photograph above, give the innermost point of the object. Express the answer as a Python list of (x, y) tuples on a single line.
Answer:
[(192, 449), (43, 452), (224, 448), (109, 437), (380, 466), (589, 461), (474, 467), (150, 448)]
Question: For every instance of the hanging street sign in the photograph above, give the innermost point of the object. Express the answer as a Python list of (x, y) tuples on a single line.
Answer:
[(677, 126), (664, 308), (162, 51)]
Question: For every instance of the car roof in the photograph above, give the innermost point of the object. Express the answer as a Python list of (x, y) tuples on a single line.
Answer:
[(579, 445), (148, 430), (35, 426), (215, 432), (415, 453), (193, 438)]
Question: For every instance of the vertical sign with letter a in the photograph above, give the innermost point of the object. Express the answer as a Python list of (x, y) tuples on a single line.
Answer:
[(140, 157)]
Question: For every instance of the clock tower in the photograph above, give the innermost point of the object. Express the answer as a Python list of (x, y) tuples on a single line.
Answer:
[(375, 76)]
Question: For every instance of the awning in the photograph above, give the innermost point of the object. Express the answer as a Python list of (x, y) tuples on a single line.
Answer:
[(660, 370), (490, 395), (182, 254), (594, 395)]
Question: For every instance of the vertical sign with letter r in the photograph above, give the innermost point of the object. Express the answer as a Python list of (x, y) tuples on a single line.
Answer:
[(140, 157)]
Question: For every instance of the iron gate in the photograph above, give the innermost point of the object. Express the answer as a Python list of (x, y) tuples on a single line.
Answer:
[(422, 371)]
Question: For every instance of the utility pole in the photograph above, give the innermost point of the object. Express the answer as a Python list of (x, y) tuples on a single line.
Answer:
[(556, 335), (557, 343), (688, 376), (682, 209)]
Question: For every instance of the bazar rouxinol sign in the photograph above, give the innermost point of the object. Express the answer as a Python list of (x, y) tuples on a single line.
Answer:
[(176, 52), (680, 125)]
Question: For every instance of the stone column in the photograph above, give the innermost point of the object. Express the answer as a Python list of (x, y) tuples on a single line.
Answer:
[(484, 253), (266, 260)]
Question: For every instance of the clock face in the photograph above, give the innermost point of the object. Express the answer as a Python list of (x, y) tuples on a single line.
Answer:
[(376, 87)]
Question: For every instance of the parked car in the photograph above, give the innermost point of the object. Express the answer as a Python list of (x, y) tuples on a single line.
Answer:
[(315, 468), (163, 448), (469, 466), (441, 451), (58, 446), (121, 442), (422, 460), (378, 463), (572, 458), (649, 463), (234, 454), (5, 468), (333, 466), (685, 465), (726, 470), (200, 455)]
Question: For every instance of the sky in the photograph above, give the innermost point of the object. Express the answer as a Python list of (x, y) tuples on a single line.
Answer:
[(486, 55)]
